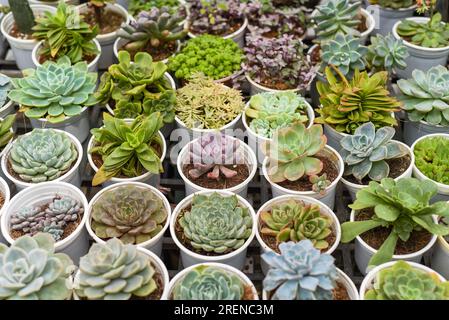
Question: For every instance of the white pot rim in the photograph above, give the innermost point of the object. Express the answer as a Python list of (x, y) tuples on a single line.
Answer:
[(222, 266), (24, 184), (226, 126), (443, 243), (186, 201), (252, 160), (6, 105), (42, 186), (325, 210), (125, 41), (6, 194), (266, 89), (229, 36)]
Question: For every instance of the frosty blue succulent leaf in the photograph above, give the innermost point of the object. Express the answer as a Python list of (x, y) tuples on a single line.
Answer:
[(387, 53)]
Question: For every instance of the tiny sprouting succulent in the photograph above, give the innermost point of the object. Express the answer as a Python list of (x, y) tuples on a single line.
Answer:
[(365, 152), (291, 152), (393, 4), (211, 155), (214, 56), (295, 221), (131, 213), (216, 223), (336, 16), (403, 206), (5, 130), (174, 6), (320, 183), (209, 283), (5, 87), (205, 104), (346, 105), (300, 272), (43, 155), (269, 111), (402, 281), (387, 53), (426, 96), (278, 63), (31, 270), (432, 158), (115, 271), (55, 90)]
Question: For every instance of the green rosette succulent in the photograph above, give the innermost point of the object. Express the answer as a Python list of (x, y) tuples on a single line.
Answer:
[(432, 34), (393, 4), (386, 53), (432, 158)]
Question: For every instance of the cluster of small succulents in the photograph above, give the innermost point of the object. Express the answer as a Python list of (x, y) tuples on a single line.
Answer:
[(393, 4), (174, 6), (432, 158)]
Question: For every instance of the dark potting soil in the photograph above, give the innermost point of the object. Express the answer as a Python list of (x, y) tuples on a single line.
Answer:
[(222, 182), (109, 21), (315, 55), (160, 53), (377, 236), (14, 32), (2, 200), (234, 25), (362, 25), (43, 58), (397, 167), (340, 292)]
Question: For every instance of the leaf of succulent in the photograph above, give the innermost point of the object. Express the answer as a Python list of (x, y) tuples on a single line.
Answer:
[(216, 223), (115, 271), (320, 183), (31, 270), (5, 130), (22, 13), (433, 34), (5, 87), (55, 90), (404, 282), (387, 53), (432, 158), (300, 272), (209, 283), (296, 221), (174, 6), (426, 96), (393, 4), (346, 105)]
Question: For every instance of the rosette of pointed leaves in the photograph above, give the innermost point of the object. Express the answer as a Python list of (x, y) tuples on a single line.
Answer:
[(432, 34), (387, 53), (5, 130)]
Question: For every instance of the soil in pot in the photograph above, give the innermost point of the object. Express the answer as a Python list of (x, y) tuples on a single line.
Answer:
[(222, 182), (2, 200), (162, 52), (361, 27), (377, 236), (234, 25), (107, 20), (14, 32), (315, 55)]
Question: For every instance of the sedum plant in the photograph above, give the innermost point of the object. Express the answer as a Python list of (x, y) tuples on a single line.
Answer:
[(300, 272), (386, 53), (432, 34), (296, 221), (209, 283), (269, 111), (42, 155), (55, 90), (402, 281), (5, 130), (365, 152), (127, 149), (31, 270), (131, 213), (216, 223), (174, 6), (426, 96), (393, 4), (115, 271), (291, 152), (346, 105), (403, 206), (432, 158)]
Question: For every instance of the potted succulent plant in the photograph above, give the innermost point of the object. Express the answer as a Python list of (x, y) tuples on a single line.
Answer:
[(136, 6), (394, 220), (39, 273), (127, 150), (211, 281), (440, 254), (298, 162), (16, 27), (65, 33), (55, 208), (217, 17), (5, 195), (425, 100), (385, 53), (213, 226), (300, 264), (108, 16), (134, 212), (56, 95), (216, 161), (156, 32), (6, 104), (426, 38), (43, 155), (389, 12), (404, 281), (371, 155), (117, 271)]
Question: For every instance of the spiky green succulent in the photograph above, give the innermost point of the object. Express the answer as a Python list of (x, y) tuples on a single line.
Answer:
[(387, 53), (216, 223), (31, 270), (5, 130), (393, 4), (42, 155), (431, 34), (131, 213)]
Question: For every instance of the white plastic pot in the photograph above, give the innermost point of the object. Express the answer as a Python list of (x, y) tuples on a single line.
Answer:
[(72, 176), (22, 49), (148, 178), (415, 130), (120, 42), (325, 211), (363, 252), (353, 188), (248, 158), (440, 257), (7, 109), (235, 258), (123, 3), (369, 280), (4, 190), (180, 276), (53, 3), (386, 18), (76, 244), (91, 67), (329, 196), (421, 58), (154, 244)]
